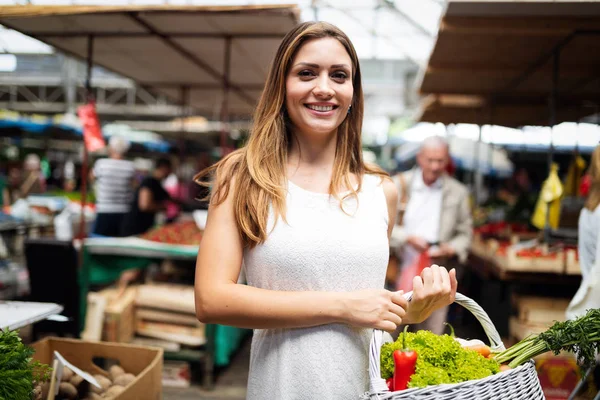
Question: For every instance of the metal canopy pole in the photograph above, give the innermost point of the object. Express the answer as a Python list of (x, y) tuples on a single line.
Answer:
[(185, 103), (476, 172), (84, 162), (552, 121), (225, 103)]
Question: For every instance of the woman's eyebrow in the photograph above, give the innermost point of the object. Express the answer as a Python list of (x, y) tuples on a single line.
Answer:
[(317, 65)]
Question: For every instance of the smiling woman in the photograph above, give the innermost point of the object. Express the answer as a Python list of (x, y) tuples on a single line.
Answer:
[(310, 221)]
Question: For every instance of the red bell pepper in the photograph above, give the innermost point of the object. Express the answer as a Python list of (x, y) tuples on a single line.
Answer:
[(390, 384), (405, 362)]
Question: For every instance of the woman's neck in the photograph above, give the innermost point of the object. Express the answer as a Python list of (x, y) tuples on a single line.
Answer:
[(312, 151)]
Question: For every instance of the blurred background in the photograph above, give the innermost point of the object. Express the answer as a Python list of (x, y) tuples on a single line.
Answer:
[(169, 87)]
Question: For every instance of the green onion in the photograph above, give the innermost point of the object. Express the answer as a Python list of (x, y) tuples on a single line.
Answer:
[(580, 336)]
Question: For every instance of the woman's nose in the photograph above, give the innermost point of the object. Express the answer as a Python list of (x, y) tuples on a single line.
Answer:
[(322, 87)]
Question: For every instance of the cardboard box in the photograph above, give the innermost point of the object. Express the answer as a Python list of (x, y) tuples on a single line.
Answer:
[(145, 363)]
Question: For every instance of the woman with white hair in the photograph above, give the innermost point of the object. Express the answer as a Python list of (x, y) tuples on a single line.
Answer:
[(114, 188)]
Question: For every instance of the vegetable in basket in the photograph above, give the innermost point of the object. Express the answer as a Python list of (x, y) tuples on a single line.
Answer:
[(404, 365), (580, 336), (441, 360)]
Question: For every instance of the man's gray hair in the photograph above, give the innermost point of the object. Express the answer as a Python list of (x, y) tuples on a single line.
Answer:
[(434, 142), (118, 144)]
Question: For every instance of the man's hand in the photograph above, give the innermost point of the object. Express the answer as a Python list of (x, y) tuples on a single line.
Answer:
[(443, 250), (418, 243)]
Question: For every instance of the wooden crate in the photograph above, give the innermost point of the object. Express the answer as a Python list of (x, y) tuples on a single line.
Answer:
[(540, 310), (572, 263), (119, 315)]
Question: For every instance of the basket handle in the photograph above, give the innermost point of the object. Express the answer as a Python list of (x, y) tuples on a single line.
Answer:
[(378, 384)]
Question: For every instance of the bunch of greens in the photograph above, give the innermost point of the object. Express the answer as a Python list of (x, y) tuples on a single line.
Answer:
[(440, 359), (580, 336), (18, 371)]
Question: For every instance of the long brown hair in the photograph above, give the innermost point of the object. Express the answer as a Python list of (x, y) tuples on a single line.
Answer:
[(259, 168), (594, 195)]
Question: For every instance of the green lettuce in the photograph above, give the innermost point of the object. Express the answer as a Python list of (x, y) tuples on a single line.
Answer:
[(440, 359)]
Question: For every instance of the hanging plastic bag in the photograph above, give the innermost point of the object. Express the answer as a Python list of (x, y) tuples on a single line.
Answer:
[(408, 272), (549, 201), (574, 176)]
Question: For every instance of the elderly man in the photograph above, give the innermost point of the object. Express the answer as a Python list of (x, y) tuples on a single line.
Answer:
[(434, 216)]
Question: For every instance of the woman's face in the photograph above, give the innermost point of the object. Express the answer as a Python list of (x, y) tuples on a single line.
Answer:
[(319, 87)]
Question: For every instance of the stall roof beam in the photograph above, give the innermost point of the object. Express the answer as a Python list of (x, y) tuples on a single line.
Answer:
[(502, 52), (163, 47), (173, 35), (189, 55)]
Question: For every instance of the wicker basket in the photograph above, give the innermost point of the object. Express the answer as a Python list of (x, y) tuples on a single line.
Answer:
[(521, 383)]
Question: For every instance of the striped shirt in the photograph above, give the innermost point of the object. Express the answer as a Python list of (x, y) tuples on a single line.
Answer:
[(114, 180)]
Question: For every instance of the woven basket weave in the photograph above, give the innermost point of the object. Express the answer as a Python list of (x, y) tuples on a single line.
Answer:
[(520, 383)]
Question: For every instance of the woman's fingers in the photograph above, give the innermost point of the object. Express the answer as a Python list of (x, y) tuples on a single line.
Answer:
[(445, 278), (427, 276), (399, 299), (400, 311), (453, 283), (436, 278)]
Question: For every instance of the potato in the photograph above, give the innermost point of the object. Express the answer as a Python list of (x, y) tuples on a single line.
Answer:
[(76, 380), (124, 379), (103, 381), (67, 374), (45, 390), (115, 371), (68, 390), (113, 392)]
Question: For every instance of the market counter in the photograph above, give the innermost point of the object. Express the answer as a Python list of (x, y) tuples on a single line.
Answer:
[(106, 258)]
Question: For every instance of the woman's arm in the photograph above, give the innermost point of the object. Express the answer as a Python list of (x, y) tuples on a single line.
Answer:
[(220, 299)]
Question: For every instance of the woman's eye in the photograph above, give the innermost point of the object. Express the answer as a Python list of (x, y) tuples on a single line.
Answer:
[(305, 74), (339, 76)]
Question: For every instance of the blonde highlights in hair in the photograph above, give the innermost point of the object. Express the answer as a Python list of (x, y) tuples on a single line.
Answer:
[(258, 170)]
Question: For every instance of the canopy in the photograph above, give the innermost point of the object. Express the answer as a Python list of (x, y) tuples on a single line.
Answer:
[(206, 49), (511, 57)]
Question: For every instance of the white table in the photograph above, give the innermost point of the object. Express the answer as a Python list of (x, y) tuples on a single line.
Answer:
[(17, 314)]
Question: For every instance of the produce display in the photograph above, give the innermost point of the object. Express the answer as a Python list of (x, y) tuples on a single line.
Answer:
[(184, 233), (74, 387), (444, 359), (439, 359)]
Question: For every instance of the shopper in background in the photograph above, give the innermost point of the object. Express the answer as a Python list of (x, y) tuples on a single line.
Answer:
[(114, 188), (33, 180), (310, 222), (150, 198), (588, 295), (434, 220)]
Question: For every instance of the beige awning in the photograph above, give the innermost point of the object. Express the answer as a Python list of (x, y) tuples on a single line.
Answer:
[(503, 52), (165, 48)]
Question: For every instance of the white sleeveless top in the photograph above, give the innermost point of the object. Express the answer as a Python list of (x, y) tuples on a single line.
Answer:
[(319, 249)]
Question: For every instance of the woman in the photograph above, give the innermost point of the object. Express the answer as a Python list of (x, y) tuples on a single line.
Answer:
[(311, 223), (588, 295), (114, 188)]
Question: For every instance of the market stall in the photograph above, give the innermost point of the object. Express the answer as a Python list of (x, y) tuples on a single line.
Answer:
[(516, 64), (212, 59)]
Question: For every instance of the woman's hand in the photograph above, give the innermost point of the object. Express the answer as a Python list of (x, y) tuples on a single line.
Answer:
[(375, 308), (435, 288)]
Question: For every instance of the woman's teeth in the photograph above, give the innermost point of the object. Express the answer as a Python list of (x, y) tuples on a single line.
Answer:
[(320, 108)]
